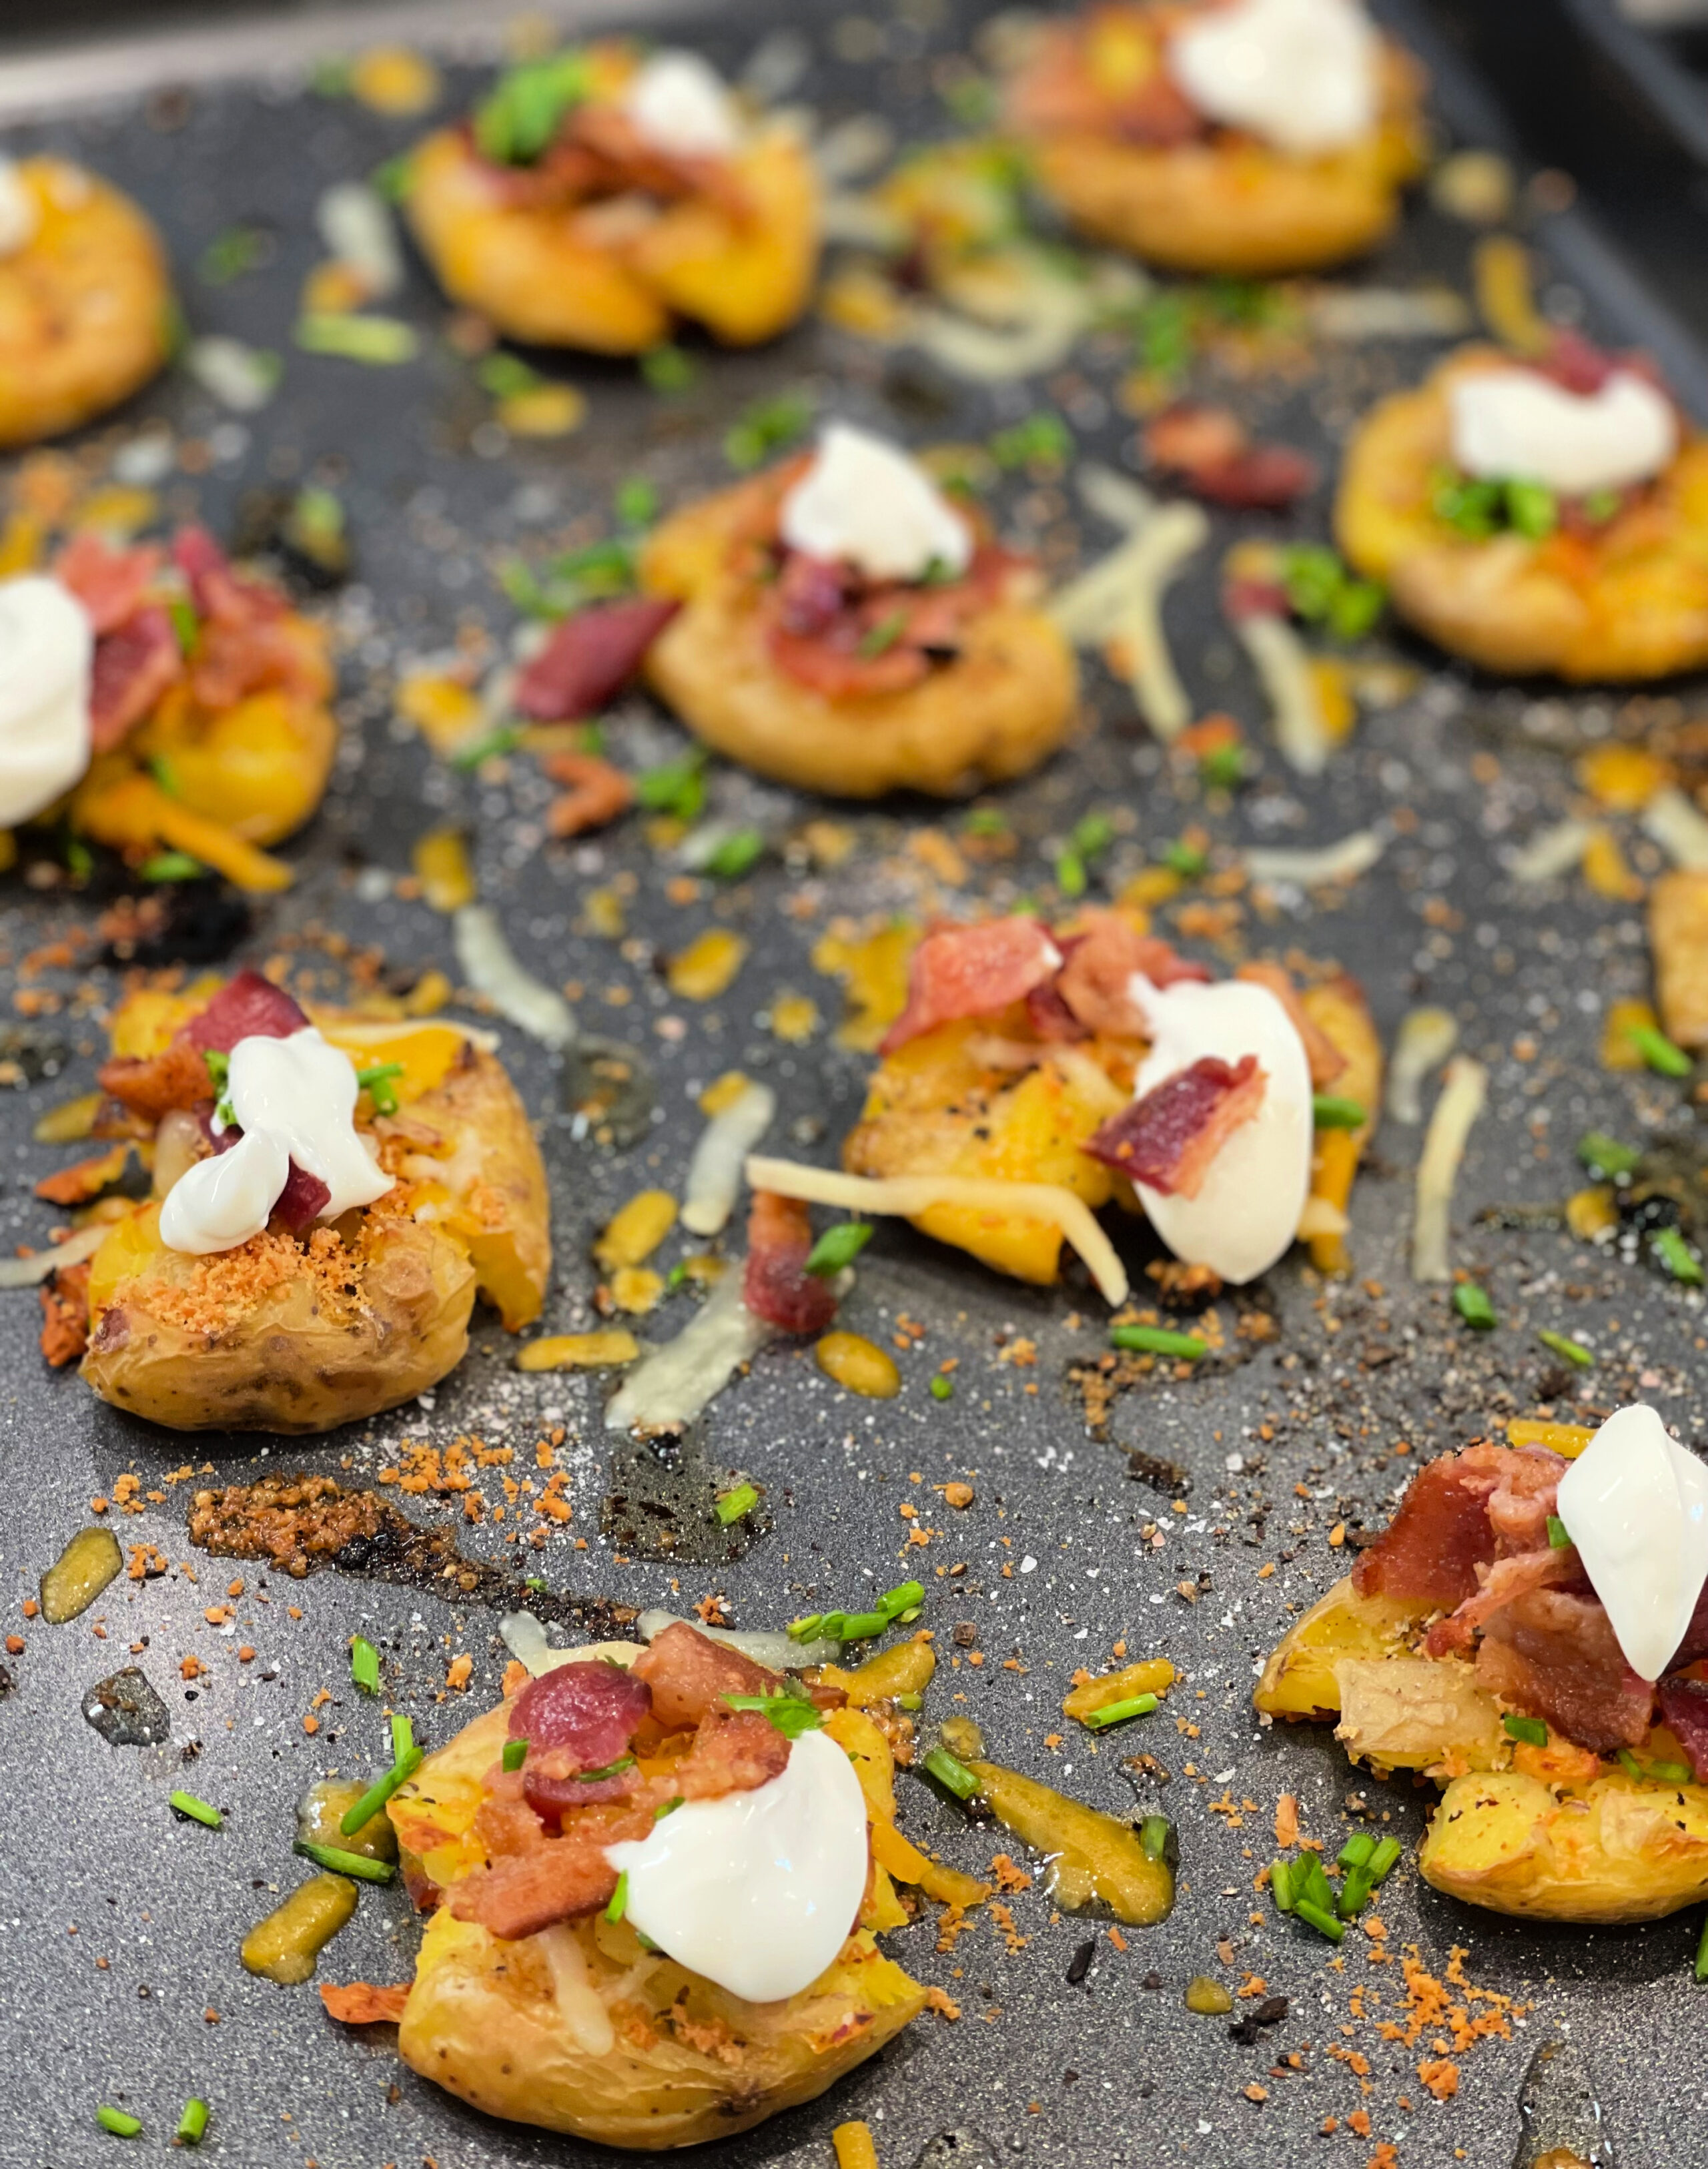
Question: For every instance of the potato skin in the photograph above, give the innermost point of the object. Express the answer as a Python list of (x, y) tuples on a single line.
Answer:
[(1630, 604), (85, 306), (1000, 709)]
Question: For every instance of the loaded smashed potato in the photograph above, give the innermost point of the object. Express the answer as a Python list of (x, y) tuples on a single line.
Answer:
[(845, 628), (596, 197), (326, 1200), (1509, 1638), (1548, 513), (1265, 137)]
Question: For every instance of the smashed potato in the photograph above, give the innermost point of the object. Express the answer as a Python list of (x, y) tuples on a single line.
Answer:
[(1627, 599)]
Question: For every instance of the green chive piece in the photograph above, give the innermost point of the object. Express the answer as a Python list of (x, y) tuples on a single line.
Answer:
[(338, 1862), (1320, 1918), (1042, 440), (1154, 1340), (1573, 1352), (192, 2123), (985, 821), (806, 1629), (380, 342), (635, 503), (838, 1247), (1330, 1113), (1281, 1885), (118, 2121), (1530, 1729), (791, 1710), (1154, 1834), (197, 1811), (376, 1082), (856, 1626), (905, 1596), (879, 639), (1678, 1257), (941, 1388), (954, 1775), (219, 1068), (1357, 1850), (1606, 1155), (229, 254), (171, 866), (516, 122), (1223, 767), (364, 1664), (403, 1735), (619, 1900), (1532, 511), (1117, 1713), (507, 377), (515, 1754), (667, 369), (677, 787), (1627, 1762), (1600, 505), (165, 773), (1559, 1536), (910, 1701), (1671, 1773), (1185, 859), (611, 1769), (1093, 835), (1659, 1052), (736, 855), (766, 427), (1355, 609), (1473, 1306), (1385, 1859), (1070, 873), (505, 739), (668, 1808), (1354, 1895), (378, 1794), (1311, 1885), (732, 1504), (1701, 1967), (184, 623)]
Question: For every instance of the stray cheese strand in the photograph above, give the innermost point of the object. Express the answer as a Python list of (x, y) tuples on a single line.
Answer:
[(1462, 1100)]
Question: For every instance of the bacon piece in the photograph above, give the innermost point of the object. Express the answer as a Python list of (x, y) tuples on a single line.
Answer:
[(689, 1675), (84, 1179), (152, 1085), (249, 655), (219, 592), (1684, 1710), (833, 665), (247, 1007), (1095, 981), (1694, 1644), (530, 1880), (131, 668), (360, 2003), (1211, 450), (810, 595), (303, 1199), (972, 971), (1168, 1139), (587, 1712), (109, 583), (552, 1791), (1326, 1059), (1576, 364), (735, 1754), (1555, 1655), (1507, 1581), (64, 1315), (776, 1285), (1525, 1497), (1048, 1013), (595, 793), (1432, 1548), (590, 657)]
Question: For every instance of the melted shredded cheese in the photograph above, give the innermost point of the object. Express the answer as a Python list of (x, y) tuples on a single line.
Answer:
[(1462, 1100)]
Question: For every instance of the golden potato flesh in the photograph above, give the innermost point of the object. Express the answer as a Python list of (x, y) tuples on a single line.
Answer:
[(1678, 942), (1629, 601), (86, 309)]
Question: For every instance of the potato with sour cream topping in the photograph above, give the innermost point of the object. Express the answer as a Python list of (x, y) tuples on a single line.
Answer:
[(86, 308)]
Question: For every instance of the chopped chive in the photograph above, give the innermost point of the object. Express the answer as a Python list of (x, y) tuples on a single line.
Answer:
[(1185, 859), (1153, 1341), (1310, 1884), (1574, 1352), (766, 426), (1659, 1052), (507, 377), (732, 1504), (806, 1629), (619, 1900), (1223, 767), (954, 1775), (879, 639), (736, 853), (381, 342), (1384, 1860), (535, 1581), (1473, 1306), (219, 1067), (1093, 835), (1559, 1536), (668, 1808), (192, 2123), (789, 1710), (941, 1388), (1154, 1834), (985, 821), (197, 1811), (171, 866), (185, 624), (376, 1081), (118, 2121), (675, 1276), (611, 1769), (667, 369), (857, 1626), (1330, 1113), (403, 1735), (515, 1754), (1606, 1155), (1281, 1885), (379, 1793), (1320, 1918), (1629, 1763), (1354, 1895), (676, 787), (1532, 510), (338, 1862), (1117, 1713), (165, 773), (1041, 440), (635, 503), (1070, 873), (364, 1664), (1701, 1968), (505, 739), (1529, 1730), (906, 1596), (839, 1246), (1678, 1257), (1357, 1850), (910, 1701), (1670, 1773)]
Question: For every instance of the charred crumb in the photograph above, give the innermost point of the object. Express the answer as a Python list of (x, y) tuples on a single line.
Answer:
[(1248, 2030), (1080, 1963), (662, 1503), (7, 1682), (125, 1710), (301, 1524), (1167, 1476), (191, 922)]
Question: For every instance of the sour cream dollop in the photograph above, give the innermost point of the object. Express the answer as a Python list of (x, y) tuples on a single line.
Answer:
[(1301, 74), (1247, 1211), (864, 503), (678, 102), (1636, 1504), (20, 215), (757, 1891), (1516, 425), (293, 1099), (46, 645)]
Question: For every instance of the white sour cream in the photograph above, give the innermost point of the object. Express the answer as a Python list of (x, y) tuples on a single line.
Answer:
[(293, 1099), (679, 103), (20, 215), (1246, 1212), (757, 1891), (47, 644), (1301, 74), (1516, 425), (864, 503), (1636, 1504)]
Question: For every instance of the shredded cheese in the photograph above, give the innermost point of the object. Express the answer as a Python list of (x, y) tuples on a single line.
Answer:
[(1352, 855), (714, 1173), (1425, 1039), (1552, 852), (491, 967), (1679, 829), (1463, 1097), (30, 1272), (1283, 664), (907, 1196)]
